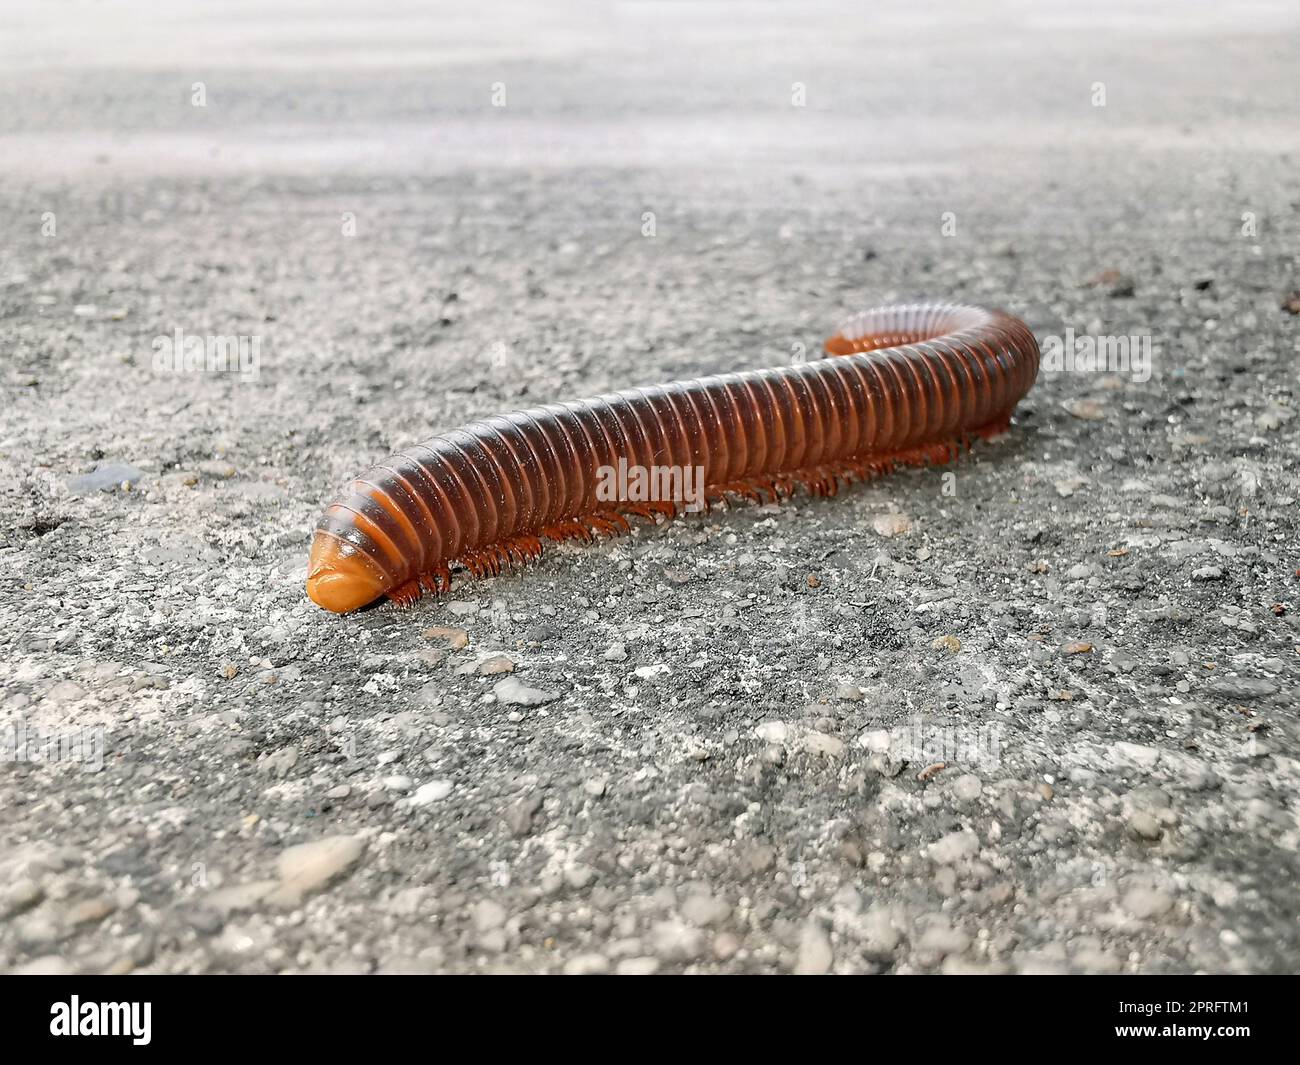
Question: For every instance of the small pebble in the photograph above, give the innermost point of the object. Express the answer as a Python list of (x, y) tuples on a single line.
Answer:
[(433, 791), (309, 867), (586, 965), (955, 847), (1147, 903), (1088, 410), (514, 693), (496, 664), (453, 637), (816, 955), (889, 525), (91, 911), (1144, 825)]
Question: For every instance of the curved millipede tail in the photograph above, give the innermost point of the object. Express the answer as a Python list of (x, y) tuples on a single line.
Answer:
[(910, 384)]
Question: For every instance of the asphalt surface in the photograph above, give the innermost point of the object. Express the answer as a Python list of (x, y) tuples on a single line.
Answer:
[(1038, 716)]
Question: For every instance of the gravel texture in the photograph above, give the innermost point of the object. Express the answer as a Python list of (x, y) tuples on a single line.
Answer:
[(1034, 712)]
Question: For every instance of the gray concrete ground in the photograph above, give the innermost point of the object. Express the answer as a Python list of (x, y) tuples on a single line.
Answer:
[(720, 751)]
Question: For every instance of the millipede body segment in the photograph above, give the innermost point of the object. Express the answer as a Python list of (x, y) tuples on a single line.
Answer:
[(909, 384)]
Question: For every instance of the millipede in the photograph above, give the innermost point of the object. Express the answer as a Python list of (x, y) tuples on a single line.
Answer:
[(915, 384)]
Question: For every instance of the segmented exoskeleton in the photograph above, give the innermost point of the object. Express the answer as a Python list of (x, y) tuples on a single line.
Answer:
[(908, 384)]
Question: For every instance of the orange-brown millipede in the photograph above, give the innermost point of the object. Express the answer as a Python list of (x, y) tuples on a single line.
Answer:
[(910, 384)]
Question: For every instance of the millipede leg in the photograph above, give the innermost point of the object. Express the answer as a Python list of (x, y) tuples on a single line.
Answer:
[(639, 510), (405, 595), (615, 520)]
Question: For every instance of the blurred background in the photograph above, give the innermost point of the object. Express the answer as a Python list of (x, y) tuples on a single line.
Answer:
[(408, 87)]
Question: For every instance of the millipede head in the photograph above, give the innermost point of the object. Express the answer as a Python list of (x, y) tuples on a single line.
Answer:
[(340, 578)]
